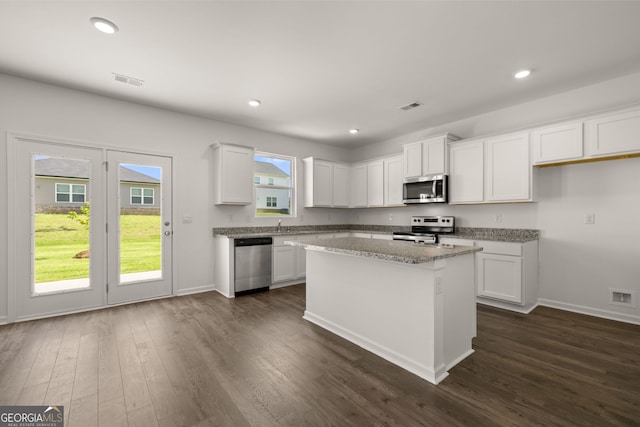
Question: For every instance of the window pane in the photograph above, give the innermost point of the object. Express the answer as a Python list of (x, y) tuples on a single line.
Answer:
[(61, 245), (148, 192), (136, 200), (276, 171), (148, 200), (136, 191)]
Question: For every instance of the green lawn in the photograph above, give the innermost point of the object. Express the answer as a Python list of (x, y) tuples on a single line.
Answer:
[(58, 238)]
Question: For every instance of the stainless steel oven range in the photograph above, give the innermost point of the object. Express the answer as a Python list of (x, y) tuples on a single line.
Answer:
[(426, 229)]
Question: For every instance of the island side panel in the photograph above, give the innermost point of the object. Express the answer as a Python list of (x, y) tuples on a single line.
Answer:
[(460, 324), (391, 309)]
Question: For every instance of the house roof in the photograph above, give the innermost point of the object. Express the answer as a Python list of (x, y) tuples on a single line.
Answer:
[(264, 168), (72, 168)]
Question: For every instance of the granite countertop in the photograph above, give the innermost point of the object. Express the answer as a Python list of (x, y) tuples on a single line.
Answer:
[(471, 233), (387, 250)]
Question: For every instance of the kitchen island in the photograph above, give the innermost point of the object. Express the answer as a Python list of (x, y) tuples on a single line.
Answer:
[(413, 305)]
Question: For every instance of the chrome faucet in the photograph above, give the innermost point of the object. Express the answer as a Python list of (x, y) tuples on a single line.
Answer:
[(279, 225)]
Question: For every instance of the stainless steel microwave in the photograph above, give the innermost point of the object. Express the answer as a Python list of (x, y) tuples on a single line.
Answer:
[(426, 189)]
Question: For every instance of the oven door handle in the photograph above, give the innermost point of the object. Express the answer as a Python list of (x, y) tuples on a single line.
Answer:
[(434, 189)]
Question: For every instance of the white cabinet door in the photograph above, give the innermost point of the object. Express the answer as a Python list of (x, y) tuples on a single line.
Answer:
[(359, 185), (499, 277), (375, 183), (284, 265), (466, 172), (557, 143), (393, 178), (434, 156), (507, 168), (322, 183), (613, 134), (412, 158), (234, 175), (301, 262), (341, 185)]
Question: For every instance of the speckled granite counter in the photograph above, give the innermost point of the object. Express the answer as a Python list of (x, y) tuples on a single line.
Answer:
[(515, 235), (471, 233), (387, 250)]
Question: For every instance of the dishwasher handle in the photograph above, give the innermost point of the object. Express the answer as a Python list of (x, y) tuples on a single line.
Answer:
[(253, 241)]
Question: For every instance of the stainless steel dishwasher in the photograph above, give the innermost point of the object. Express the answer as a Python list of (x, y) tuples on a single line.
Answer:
[(252, 264)]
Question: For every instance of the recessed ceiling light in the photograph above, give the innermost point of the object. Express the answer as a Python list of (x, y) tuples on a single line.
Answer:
[(522, 74), (104, 25), (255, 102), (354, 131)]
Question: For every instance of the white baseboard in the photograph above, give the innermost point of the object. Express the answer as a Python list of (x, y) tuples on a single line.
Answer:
[(285, 284), (433, 376), (605, 314), (506, 306), (196, 290), (3, 320)]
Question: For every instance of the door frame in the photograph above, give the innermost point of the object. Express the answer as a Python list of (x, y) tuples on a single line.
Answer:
[(12, 140)]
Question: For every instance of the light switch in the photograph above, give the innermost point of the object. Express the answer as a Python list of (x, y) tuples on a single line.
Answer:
[(589, 218), (187, 219)]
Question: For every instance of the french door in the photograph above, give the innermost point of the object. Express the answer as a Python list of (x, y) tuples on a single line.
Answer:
[(90, 227), (139, 226)]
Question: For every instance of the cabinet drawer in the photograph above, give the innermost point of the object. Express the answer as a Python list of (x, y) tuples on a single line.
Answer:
[(279, 240), (500, 248)]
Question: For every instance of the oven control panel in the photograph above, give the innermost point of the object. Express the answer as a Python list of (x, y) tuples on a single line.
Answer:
[(435, 221)]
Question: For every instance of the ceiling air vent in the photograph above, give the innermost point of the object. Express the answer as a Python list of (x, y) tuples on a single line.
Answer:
[(128, 80), (410, 106)]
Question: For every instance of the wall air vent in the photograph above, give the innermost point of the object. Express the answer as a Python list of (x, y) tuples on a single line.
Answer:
[(410, 106), (128, 80)]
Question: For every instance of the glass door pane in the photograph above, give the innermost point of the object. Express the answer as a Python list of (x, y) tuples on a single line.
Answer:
[(61, 238), (140, 223)]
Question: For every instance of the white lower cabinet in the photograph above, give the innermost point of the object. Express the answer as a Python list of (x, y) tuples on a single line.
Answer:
[(284, 263), (499, 277), (506, 273), (288, 262)]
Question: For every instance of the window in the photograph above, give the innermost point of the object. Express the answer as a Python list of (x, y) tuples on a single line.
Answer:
[(274, 180), (142, 196), (71, 193)]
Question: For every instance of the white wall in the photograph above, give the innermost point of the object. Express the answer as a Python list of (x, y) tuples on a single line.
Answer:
[(578, 262), (35, 108)]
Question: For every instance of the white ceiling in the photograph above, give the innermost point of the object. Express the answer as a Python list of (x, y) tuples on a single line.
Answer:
[(321, 68)]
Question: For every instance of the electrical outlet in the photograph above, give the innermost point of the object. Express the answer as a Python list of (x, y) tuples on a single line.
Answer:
[(498, 218), (590, 218), (390, 217), (438, 285)]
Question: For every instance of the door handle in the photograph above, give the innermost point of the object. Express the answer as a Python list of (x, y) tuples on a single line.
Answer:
[(167, 233)]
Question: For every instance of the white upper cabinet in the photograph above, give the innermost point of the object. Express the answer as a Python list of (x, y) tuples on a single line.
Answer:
[(359, 185), (326, 184), (428, 157), (393, 178), (341, 185), (557, 143), (466, 172), (613, 134), (375, 183), (507, 168), (233, 171), (493, 170)]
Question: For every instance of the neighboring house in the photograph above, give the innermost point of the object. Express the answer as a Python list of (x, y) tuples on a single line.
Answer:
[(274, 199), (62, 185)]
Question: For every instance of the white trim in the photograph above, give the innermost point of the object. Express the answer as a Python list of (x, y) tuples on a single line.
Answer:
[(3, 320), (604, 314), (11, 232), (506, 306), (196, 290), (222, 293), (412, 366)]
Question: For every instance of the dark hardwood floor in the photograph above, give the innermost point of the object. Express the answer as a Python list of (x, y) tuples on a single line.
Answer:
[(204, 360)]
